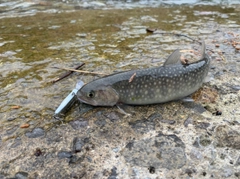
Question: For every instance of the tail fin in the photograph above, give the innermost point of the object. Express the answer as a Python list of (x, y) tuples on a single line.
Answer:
[(203, 49)]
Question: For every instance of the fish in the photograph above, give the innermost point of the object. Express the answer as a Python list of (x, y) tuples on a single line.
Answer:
[(171, 81)]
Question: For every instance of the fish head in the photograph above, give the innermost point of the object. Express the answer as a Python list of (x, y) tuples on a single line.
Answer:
[(100, 95)]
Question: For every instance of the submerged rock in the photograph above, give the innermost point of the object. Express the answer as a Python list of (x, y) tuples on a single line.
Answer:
[(79, 124), (37, 132)]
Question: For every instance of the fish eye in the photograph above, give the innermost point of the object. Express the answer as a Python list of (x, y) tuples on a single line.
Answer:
[(91, 94)]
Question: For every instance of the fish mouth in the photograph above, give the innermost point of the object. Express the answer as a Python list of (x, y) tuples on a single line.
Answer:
[(85, 101)]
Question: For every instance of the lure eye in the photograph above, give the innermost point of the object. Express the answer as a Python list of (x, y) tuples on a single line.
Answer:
[(91, 94)]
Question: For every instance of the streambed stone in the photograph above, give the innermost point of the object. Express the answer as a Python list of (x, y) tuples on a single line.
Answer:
[(37, 132)]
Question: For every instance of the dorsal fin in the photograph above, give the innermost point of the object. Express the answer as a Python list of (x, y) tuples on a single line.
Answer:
[(203, 49), (174, 58)]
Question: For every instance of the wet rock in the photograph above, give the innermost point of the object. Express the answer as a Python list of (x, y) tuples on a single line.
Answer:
[(11, 118), (12, 130), (113, 173), (79, 124), (142, 126), (37, 132), (21, 175), (226, 137), (64, 154), (77, 145), (161, 151)]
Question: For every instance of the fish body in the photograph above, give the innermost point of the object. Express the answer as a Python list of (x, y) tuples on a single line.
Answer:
[(169, 82)]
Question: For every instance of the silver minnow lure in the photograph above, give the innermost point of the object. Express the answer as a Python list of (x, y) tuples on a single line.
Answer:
[(169, 82)]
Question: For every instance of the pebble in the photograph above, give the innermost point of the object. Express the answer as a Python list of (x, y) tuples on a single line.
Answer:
[(226, 137), (113, 173), (236, 87), (16, 143), (64, 154), (227, 172), (79, 124), (100, 122), (187, 122), (37, 132), (237, 47), (113, 116), (195, 107), (75, 160), (203, 125), (21, 175), (77, 145), (167, 121)]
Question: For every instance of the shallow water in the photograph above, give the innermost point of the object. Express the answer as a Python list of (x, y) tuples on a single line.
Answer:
[(37, 36)]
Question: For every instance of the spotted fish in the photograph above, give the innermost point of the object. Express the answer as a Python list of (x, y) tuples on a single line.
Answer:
[(171, 81)]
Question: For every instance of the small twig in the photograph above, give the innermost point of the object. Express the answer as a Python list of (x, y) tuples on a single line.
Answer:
[(81, 71), (66, 74)]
